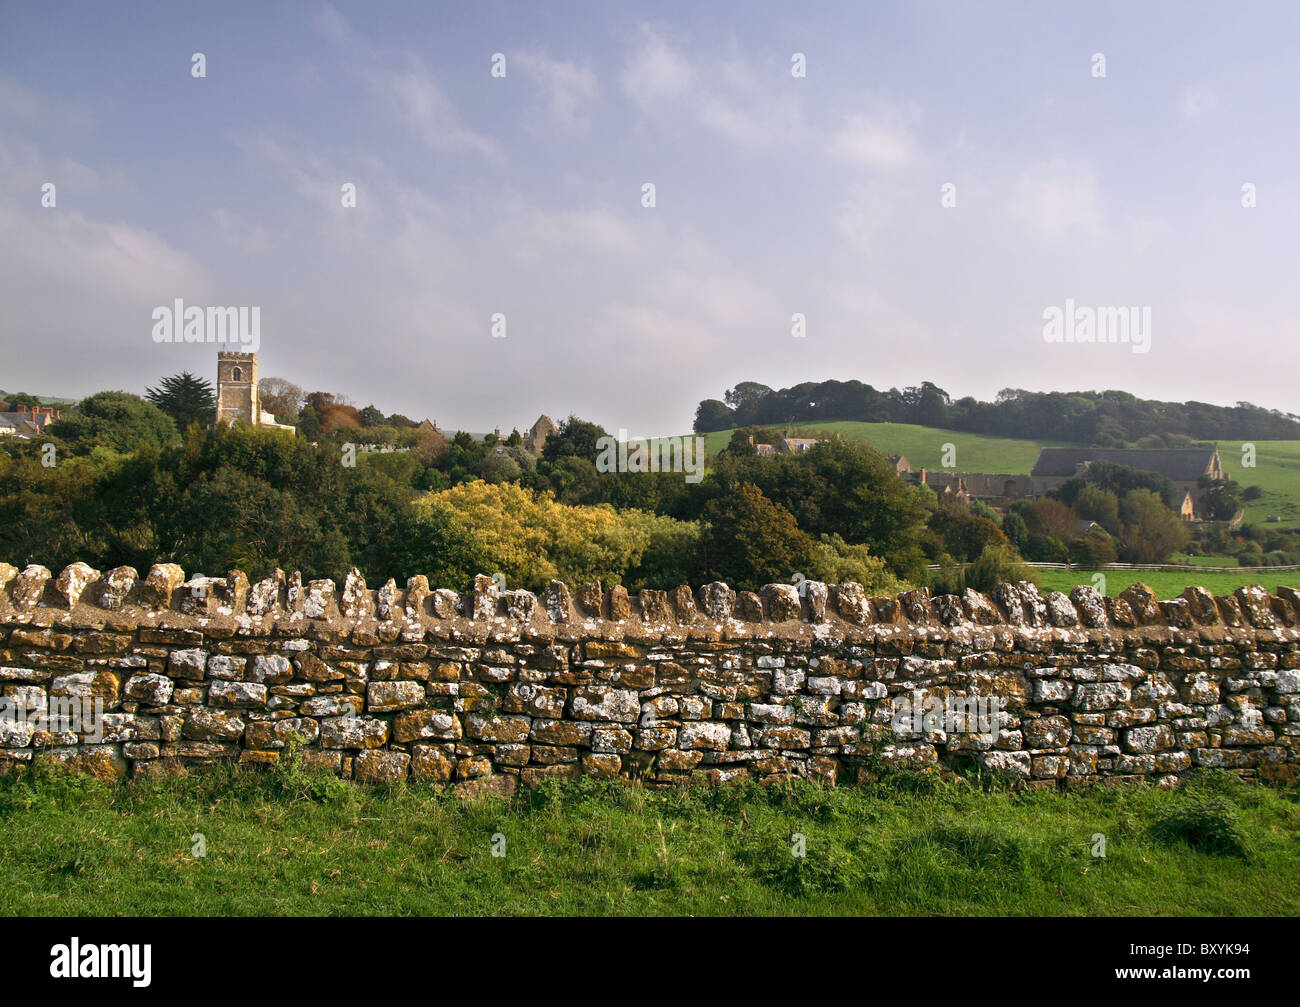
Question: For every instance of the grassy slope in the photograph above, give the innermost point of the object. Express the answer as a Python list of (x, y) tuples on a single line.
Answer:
[(923, 446), (1169, 584), (1276, 471), (77, 847)]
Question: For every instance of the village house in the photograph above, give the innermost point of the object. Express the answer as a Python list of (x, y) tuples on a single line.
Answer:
[(1184, 467), (27, 422)]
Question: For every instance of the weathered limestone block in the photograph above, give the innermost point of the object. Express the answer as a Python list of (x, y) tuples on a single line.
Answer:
[(318, 599), (1101, 695), (655, 609), (1144, 604), (242, 695), (817, 594), (704, 734), (446, 603), (227, 667), (202, 724), (1256, 605), (387, 600), (497, 728), (485, 598), (535, 700), (1201, 604), (277, 734), (417, 590), (351, 731), (1060, 610), (749, 607), (356, 596), (1013, 607), (417, 725), (781, 602), (115, 586), (559, 605), (189, 665), (717, 601), (29, 586), (235, 593), (916, 606), (153, 690), (264, 596), (949, 609), (601, 702), (590, 599), (270, 669), (521, 605), (159, 586), (1090, 606), (388, 697), (620, 605), (73, 581), (979, 608), (851, 603), (683, 603), (1177, 612), (376, 766)]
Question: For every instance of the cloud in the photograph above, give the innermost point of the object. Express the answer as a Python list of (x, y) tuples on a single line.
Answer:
[(569, 89), (1198, 101), (880, 136), (863, 214), (429, 112), (657, 71), (426, 109), (726, 97), (1059, 199)]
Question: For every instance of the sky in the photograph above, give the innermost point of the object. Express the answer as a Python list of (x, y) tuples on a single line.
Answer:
[(1169, 183)]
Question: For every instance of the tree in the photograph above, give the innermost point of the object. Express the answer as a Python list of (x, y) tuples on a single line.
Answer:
[(21, 402), (749, 541), (711, 415), (1151, 530), (186, 399), (116, 420), (370, 416), (575, 437), (1220, 499), (282, 399), (1101, 505), (965, 535)]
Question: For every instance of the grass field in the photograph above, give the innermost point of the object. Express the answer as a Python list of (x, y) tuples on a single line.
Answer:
[(1276, 472), (923, 446), (281, 844), (1168, 584)]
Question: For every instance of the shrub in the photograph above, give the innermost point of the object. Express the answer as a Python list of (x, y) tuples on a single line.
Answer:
[(1206, 824)]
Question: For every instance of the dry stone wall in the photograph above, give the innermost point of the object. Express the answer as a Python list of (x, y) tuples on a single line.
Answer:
[(490, 689)]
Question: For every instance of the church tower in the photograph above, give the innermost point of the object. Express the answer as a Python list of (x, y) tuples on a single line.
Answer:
[(237, 400)]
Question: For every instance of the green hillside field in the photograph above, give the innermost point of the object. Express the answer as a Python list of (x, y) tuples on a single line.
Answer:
[(924, 446), (1168, 583), (1276, 472)]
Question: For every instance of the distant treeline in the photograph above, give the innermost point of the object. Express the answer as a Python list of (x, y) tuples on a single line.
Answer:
[(1103, 419)]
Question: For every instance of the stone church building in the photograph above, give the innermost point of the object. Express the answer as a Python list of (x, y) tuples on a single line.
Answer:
[(237, 397)]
